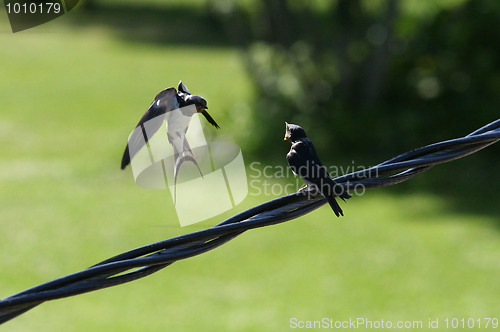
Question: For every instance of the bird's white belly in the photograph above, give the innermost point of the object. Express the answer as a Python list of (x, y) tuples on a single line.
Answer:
[(178, 120)]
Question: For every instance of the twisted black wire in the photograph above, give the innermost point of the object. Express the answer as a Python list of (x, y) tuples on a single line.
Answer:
[(143, 261)]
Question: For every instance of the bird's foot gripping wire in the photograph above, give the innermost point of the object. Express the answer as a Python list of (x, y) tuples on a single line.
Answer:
[(303, 189), (309, 189)]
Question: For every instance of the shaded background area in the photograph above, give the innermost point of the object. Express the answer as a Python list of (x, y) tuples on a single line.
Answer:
[(367, 79), (340, 66)]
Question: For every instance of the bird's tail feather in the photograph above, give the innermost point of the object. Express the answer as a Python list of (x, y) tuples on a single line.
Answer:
[(338, 191), (331, 190), (180, 157), (345, 195)]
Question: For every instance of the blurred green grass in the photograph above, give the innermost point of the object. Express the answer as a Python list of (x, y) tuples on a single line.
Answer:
[(69, 98)]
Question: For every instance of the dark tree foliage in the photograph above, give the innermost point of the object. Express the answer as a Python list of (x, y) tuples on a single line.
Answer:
[(370, 79)]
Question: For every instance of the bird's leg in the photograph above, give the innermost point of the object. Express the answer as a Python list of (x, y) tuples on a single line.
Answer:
[(304, 188), (308, 187)]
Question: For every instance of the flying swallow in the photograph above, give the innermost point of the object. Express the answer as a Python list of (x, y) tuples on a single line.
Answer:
[(201, 104), (304, 161), (165, 102), (169, 105)]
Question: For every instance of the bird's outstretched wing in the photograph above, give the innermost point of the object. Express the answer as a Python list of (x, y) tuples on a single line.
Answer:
[(182, 88), (164, 102)]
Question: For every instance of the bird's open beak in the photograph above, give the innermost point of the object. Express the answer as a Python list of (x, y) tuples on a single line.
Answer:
[(201, 108), (287, 132)]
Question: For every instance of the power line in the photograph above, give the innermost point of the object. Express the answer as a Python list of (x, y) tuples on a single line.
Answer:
[(143, 261)]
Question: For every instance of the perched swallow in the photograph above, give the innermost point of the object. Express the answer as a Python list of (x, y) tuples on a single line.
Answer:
[(166, 101), (304, 161)]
